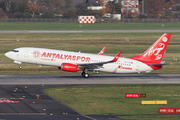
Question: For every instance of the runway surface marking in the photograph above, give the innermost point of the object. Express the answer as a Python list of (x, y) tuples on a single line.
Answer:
[(11, 98), (49, 31), (22, 113)]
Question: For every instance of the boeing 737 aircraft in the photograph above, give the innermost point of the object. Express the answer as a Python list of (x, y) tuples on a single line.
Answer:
[(74, 61)]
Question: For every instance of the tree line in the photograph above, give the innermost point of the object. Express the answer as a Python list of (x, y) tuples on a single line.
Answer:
[(159, 9), (50, 8), (55, 8), (33, 8)]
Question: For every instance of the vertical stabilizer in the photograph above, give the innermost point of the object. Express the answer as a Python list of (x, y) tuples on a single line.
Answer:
[(154, 54)]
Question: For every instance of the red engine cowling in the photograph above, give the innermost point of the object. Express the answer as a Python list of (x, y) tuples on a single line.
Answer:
[(69, 67)]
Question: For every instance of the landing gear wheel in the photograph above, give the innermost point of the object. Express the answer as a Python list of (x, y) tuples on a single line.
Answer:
[(86, 75), (20, 67)]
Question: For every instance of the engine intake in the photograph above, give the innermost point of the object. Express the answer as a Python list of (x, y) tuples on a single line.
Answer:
[(69, 67)]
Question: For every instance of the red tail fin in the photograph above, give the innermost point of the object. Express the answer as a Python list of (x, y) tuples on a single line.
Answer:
[(155, 53)]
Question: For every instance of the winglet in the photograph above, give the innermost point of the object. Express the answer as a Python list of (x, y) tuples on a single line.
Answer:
[(117, 57), (102, 51)]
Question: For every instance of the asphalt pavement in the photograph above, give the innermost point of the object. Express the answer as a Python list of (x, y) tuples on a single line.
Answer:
[(93, 79), (22, 103)]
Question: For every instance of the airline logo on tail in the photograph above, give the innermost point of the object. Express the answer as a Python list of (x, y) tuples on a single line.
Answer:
[(157, 51), (154, 54), (165, 39)]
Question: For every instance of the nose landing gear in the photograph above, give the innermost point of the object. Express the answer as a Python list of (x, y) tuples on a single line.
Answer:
[(20, 67)]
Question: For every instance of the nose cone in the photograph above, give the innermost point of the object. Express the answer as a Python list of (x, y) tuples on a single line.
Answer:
[(8, 54)]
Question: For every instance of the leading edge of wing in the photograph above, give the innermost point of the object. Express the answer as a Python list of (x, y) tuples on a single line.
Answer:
[(101, 63)]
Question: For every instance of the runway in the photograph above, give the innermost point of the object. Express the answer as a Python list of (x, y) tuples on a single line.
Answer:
[(93, 79), (90, 31)]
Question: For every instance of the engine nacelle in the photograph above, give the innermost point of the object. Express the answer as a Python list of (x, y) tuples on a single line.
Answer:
[(69, 67)]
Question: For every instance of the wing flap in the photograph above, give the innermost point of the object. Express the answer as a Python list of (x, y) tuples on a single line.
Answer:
[(98, 64)]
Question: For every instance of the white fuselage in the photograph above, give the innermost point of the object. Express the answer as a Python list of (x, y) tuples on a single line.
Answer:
[(52, 57)]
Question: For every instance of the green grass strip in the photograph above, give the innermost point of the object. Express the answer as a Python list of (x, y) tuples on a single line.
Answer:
[(77, 26), (110, 99), (165, 117)]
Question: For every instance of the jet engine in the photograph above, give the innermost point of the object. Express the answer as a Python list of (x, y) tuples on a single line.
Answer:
[(69, 67)]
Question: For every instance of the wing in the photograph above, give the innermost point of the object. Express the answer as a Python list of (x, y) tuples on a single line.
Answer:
[(102, 51), (92, 66)]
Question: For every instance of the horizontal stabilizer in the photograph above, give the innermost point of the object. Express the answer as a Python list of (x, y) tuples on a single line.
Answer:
[(98, 64), (161, 64)]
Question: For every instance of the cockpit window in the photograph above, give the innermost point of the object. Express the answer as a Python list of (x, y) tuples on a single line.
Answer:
[(15, 50)]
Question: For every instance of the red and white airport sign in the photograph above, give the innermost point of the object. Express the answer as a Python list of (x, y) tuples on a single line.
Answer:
[(132, 95), (177, 110), (167, 110), (8, 101)]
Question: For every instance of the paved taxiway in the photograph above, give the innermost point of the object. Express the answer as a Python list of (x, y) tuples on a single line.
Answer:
[(29, 107), (93, 79), (89, 31)]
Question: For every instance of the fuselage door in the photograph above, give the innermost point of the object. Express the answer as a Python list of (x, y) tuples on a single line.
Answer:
[(137, 66), (26, 53)]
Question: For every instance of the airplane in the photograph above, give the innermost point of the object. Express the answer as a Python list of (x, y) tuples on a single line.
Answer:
[(74, 61)]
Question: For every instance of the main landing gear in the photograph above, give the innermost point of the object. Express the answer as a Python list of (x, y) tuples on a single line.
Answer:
[(85, 74)]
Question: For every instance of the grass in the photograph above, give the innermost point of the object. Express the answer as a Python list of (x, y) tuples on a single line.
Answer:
[(87, 43), (110, 99), (77, 26), (166, 117)]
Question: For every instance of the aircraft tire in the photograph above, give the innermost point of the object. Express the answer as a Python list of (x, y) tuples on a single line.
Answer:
[(86, 75)]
